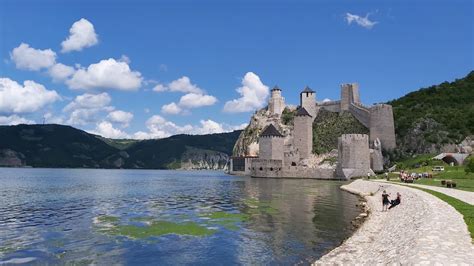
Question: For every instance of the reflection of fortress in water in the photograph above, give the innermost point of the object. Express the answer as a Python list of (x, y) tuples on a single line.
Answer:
[(358, 154)]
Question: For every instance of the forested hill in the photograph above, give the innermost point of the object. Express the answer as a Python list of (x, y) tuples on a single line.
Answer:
[(65, 146), (432, 118)]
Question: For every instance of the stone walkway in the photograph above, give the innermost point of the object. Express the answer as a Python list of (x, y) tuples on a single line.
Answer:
[(422, 230), (465, 196)]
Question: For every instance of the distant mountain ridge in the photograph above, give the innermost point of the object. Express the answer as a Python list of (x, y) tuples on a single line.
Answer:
[(64, 146)]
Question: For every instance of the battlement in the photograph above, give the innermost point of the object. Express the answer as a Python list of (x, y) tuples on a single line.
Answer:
[(354, 137), (381, 106)]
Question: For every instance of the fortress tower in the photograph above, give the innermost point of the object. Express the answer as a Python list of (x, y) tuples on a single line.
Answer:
[(303, 133), (354, 156), (271, 144), (349, 94), (308, 101), (276, 104), (382, 126)]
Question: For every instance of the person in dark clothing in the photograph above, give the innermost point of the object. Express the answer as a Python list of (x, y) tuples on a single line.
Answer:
[(385, 200), (396, 201)]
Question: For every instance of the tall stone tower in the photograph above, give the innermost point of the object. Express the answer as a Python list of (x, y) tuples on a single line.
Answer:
[(308, 101), (303, 133), (382, 125), (271, 144), (354, 156), (349, 94), (276, 104)]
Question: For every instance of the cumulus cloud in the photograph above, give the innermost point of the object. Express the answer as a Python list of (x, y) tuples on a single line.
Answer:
[(85, 108), (182, 84), (253, 95), (120, 117), (14, 120), (361, 21), (107, 130), (171, 108), (159, 127), (32, 96), (28, 58), (107, 74), (89, 101), (60, 72), (195, 100), (81, 35)]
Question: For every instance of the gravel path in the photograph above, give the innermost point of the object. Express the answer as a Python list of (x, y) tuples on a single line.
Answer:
[(465, 196), (422, 230)]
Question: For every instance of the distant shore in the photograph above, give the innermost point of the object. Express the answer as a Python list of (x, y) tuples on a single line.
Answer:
[(422, 230)]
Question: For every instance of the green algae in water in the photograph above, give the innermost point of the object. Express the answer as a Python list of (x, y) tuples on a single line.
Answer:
[(107, 219), (256, 207), (159, 228)]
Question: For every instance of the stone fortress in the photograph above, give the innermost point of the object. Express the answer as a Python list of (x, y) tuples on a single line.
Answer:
[(290, 155)]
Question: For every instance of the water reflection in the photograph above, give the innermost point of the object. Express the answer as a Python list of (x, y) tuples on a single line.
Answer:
[(51, 215)]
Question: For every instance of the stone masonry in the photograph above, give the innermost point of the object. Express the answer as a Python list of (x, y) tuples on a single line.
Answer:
[(303, 133), (276, 104), (354, 156)]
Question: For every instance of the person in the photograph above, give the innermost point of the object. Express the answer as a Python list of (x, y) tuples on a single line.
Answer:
[(385, 200), (386, 176), (396, 201), (368, 175)]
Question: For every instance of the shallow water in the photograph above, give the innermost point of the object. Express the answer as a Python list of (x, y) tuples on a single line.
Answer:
[(85, 216)]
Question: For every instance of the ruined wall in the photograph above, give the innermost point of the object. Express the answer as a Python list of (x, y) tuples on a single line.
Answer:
[(354, 156), (303, 135), (382, 125), (276, 103), (271, 148), (308, 101)]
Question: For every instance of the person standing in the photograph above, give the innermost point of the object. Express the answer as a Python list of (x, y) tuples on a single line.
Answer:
[(385, 201)]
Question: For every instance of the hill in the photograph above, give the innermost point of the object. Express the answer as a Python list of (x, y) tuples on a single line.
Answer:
[(436, 118), (65, 146)]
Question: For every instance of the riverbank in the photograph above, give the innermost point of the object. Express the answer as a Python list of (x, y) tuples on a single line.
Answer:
[(422, 230)]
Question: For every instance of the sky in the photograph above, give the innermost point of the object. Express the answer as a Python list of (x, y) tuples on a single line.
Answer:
[(151, 69)]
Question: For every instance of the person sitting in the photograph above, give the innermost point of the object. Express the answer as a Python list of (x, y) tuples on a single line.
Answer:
[(396, 201)]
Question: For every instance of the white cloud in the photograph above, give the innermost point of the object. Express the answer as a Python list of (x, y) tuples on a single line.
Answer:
[(85, 108), (361, 21), (82, 35), (159, 127), (32, 96), (171, 108), (195, 100), (50, 118), (253, 95), (89, 101), (14, 120), (107, 74), (107, 130), (60, 72), (29, 58), (121, 117), (182, 84)]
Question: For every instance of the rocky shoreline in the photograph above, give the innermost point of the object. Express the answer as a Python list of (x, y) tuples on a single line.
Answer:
[(422, 230)]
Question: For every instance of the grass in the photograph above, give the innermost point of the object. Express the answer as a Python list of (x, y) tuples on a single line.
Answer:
[(466, 209)]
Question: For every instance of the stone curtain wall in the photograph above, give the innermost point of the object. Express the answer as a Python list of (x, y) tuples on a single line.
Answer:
[(360, 113)]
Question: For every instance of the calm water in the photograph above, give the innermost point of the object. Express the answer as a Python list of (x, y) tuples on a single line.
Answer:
[(167, 217)]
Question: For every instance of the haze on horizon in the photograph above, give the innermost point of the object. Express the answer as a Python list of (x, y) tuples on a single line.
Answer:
[(140, 69)]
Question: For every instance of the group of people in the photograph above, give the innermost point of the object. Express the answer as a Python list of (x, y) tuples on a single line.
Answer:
[(386, 201)]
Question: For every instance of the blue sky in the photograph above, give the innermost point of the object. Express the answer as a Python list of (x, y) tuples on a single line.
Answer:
[(122, 56)]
